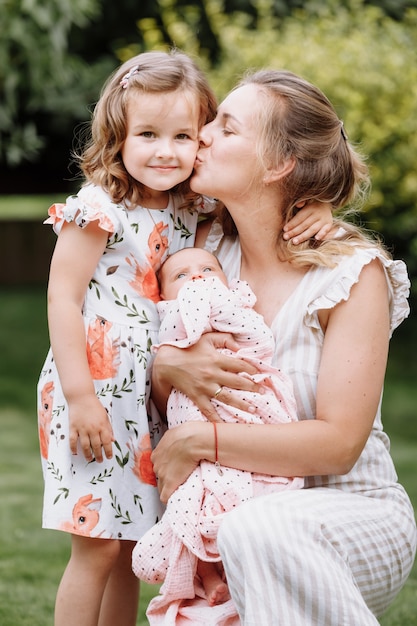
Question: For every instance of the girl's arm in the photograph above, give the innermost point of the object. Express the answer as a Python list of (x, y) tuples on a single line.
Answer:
[(349, 386), (75, 258), (312, 220)]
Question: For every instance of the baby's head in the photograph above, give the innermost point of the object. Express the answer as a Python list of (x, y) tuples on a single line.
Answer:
[(185, 265), (150, 73)]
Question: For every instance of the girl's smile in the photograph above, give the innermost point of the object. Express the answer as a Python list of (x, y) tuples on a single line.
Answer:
[(161, 140)]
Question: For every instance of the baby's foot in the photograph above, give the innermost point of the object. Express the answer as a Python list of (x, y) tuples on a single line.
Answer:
[(217, 594)]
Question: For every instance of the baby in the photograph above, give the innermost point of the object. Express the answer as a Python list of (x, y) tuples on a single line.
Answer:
[(181, 549)]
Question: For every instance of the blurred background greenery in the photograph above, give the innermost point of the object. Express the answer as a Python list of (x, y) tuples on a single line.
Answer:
[(54, 57)]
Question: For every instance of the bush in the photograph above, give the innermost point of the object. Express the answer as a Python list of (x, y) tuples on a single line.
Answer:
[(365, 62)]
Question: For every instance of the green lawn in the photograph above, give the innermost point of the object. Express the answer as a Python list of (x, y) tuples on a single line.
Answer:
[(32, 559), (27, 207)]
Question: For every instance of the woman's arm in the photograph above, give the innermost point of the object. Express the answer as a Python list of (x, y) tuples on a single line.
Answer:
[(199, 371), (75, 258), (350, 382)]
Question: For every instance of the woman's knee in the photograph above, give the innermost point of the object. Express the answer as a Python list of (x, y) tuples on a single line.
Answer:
[(267, 523), (247, 525)]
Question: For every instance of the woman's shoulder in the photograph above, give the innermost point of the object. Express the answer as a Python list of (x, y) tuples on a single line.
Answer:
[(330, 286)]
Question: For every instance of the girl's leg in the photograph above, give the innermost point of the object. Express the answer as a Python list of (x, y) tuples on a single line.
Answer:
[(81, 590), (121, 596)]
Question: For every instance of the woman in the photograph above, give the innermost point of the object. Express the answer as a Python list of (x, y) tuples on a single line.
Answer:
[(338, 551)]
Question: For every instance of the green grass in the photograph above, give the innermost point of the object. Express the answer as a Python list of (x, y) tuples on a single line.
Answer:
[(27, 207), (31, 559)]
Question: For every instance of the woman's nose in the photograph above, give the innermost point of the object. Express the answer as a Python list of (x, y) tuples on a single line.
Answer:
[(205, 135)]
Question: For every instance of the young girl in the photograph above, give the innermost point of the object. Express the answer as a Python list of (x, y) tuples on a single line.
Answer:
[(97, 425)]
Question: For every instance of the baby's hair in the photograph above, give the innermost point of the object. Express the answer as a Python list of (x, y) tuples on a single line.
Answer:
[(159, 271), (149, 72)]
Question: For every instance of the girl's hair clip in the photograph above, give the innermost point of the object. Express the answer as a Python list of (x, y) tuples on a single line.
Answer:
[(342, 130), (125, 80)]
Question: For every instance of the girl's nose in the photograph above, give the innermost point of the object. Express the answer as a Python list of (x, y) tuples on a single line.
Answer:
[(196, 276), (164, 149)]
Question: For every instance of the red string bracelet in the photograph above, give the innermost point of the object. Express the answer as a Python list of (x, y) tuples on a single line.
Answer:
[(216, 451)]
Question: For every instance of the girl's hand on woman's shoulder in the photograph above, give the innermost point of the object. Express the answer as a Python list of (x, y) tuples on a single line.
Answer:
[(313, 219)]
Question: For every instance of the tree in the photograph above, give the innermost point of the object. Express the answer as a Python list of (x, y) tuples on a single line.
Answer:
[(54, 55), (362, 53), (366, 63), (36, 70)]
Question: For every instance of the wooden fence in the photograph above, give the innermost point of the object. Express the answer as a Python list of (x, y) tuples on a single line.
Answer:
[(26, 247)]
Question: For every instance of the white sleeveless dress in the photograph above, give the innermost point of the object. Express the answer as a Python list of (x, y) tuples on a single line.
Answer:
[(337, 552)]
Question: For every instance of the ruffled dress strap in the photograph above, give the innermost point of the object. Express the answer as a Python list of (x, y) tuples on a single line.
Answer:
[(329, 286), (214, 237), (204, 204), (91, 204), (339, 282)]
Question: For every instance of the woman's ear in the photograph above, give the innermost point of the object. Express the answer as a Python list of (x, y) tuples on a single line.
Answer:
[(274, 174)]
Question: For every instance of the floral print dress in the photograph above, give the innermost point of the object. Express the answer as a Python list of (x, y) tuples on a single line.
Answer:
[(117, 498)]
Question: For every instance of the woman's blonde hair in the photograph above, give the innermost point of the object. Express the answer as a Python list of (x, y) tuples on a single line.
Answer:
[(297, 121), (157, 72)]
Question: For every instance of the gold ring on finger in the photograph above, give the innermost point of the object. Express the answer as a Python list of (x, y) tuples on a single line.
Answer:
[(217, 392)]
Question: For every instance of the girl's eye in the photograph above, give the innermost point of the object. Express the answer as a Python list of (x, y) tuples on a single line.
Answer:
[(226, 132), (183, 136), (147, 133), (180, 275), (207, 269)]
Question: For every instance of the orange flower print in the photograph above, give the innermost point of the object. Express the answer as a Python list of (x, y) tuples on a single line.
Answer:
[(85, 516), (157, 245), (45, 417), (143, 467), (102, 351), (145, 282)]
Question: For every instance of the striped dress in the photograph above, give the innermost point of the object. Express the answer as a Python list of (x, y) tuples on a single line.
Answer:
[(337, 552)]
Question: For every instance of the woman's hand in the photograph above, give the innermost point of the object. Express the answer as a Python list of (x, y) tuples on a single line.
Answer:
[(178, 454), (201, 372)]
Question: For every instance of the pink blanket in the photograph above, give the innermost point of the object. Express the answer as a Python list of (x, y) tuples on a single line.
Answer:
[(187, 532)]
